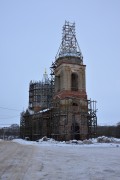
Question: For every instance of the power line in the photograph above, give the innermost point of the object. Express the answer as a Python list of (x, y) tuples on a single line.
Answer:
[(8, 124), (1, 118), (9, 109)]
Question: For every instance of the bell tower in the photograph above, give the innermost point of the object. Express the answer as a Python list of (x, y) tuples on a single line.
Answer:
[(70, 110), (70, 77)]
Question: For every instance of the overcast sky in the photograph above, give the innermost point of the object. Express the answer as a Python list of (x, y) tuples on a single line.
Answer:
[(30, 35)]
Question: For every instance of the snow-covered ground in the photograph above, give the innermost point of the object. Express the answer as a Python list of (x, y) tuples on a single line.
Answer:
[(95, 142), (47, 159)]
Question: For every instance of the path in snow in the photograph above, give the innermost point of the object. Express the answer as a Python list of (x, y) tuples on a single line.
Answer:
[(40, 162)]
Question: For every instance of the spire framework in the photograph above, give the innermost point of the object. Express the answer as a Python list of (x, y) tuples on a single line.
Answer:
[(69, 45)]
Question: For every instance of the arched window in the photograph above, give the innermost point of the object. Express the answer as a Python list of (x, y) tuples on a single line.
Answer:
[(74, 82), (59, 83), (75, 107), (75, 104)]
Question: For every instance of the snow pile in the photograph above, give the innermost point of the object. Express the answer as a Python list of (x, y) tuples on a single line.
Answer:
[(101, 139), (104, 139), (45, 139), (95, 142), (87, 141), (74, 141)]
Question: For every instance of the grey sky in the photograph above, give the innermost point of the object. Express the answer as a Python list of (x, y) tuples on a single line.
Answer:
[(30, 35)]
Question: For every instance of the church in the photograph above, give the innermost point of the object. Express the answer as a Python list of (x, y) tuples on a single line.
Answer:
[(58, 106)]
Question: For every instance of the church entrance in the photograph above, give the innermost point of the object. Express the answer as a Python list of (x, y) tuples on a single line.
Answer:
[(75, 131)]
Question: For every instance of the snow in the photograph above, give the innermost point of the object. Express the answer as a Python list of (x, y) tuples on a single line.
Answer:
[(72, 160), (93, 159), (95, 142), (31, 112)]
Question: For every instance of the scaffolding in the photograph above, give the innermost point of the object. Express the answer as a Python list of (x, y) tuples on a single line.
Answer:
[(72, 116), (61, 122), (40, 94), (35, 126), (92, 119), (52, 69), (26, 125), (69, 45), (73, 122)]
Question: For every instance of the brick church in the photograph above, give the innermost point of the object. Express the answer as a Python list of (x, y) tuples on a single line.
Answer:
[(58, 106)]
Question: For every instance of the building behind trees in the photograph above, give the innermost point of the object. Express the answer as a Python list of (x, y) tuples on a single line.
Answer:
[(10, 132)]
